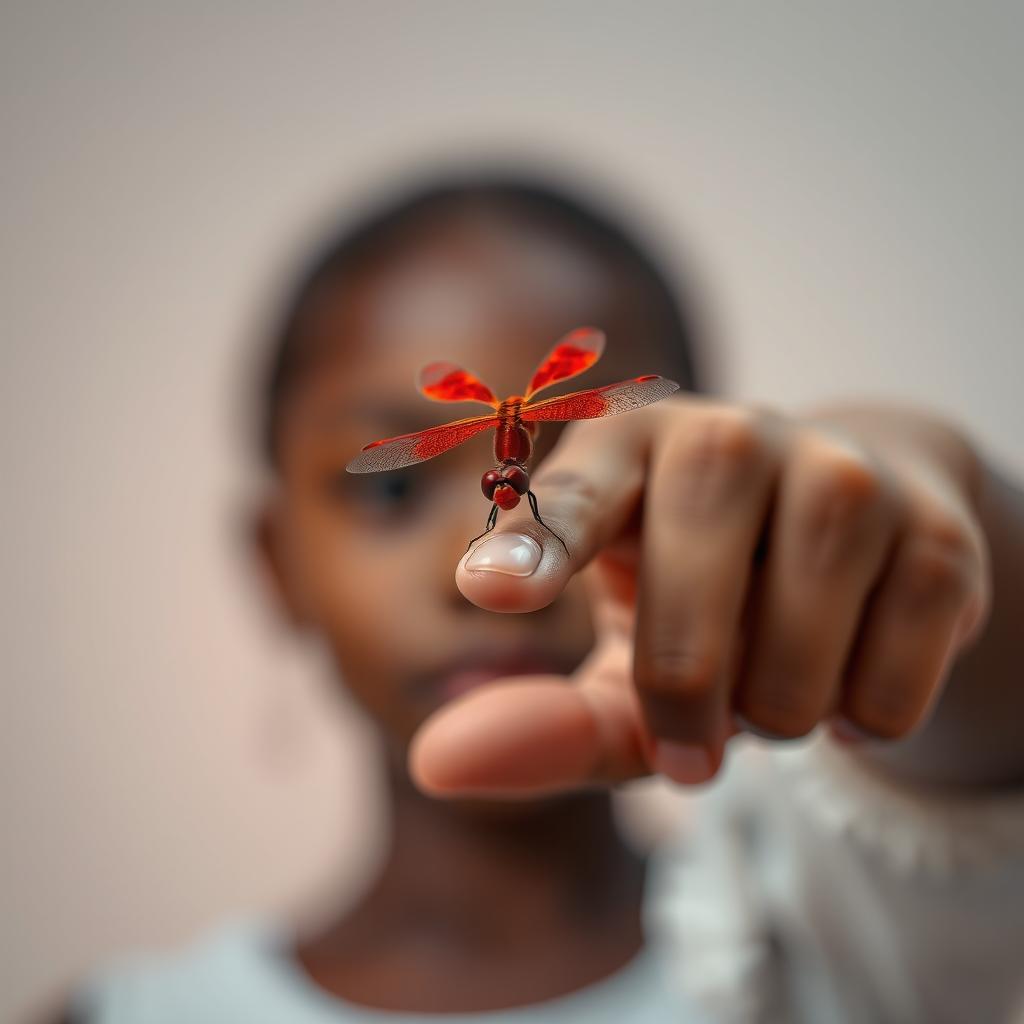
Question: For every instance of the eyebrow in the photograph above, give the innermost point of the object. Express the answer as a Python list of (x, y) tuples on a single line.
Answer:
[(394, 418)]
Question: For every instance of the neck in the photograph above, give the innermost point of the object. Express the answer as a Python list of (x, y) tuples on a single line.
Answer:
[(485, 905), (507, 872)]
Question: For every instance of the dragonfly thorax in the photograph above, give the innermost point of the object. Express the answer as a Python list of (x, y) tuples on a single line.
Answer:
[(512, 441)]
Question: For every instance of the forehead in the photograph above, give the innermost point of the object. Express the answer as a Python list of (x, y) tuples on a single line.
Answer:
[(491, 297)]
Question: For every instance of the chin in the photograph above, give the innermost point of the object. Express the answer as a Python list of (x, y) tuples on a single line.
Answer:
[(518, 810)]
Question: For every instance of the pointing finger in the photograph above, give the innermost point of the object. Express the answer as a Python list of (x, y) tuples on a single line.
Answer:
[(585, 491)]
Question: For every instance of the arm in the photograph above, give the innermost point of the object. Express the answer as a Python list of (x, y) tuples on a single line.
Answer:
[(755, 570)]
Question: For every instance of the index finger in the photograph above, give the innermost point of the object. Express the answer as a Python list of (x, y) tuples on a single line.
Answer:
[(586, 491)]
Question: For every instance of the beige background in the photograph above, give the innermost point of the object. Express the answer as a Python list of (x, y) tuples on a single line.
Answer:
[(846, 180)]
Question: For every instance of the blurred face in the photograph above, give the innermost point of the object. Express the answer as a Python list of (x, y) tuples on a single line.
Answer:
[(368, 561)]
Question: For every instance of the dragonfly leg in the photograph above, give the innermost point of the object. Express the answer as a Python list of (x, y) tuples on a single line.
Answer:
[(492, 518), (536, 515)]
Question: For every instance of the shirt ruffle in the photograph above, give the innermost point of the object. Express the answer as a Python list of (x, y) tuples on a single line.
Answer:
[(926, 831)]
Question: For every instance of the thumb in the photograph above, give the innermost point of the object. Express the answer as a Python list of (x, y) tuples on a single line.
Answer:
[(534, 735)]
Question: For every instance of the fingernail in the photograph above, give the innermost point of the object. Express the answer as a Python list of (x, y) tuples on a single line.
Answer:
[(968, 625), (746, 725), (513, 554), (683, 762), (846, 732)]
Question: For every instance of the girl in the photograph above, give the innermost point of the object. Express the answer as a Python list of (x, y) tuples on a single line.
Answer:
[(726, 570)]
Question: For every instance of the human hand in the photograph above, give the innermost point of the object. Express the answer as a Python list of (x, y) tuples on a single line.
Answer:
[(748, 571)]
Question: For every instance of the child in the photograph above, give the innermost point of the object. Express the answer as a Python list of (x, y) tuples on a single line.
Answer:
[(728, 569)]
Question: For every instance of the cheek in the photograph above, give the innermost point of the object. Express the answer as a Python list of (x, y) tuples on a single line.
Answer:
[(350, 584), (577, 624), (359, 600), (366, 590)]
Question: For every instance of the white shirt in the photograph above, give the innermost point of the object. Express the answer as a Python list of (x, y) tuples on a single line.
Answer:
[(243, 973), (816, 891), (811, 892)]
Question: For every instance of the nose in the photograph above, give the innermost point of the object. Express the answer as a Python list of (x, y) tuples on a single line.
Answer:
[(463, 514)]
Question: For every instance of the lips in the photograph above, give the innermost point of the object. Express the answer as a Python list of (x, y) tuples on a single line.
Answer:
[(467, 674), (458, 683)]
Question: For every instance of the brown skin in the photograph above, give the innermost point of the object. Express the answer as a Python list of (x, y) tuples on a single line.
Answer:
[(790, 571), (478, 905), (732, 560)]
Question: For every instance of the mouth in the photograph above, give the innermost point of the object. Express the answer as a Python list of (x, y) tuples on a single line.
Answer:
[(465, 674)]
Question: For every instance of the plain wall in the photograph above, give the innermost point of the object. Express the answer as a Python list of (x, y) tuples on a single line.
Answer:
[(844, 180)]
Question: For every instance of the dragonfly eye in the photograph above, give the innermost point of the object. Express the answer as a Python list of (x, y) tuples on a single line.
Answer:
[(516, 477), (490, 480)]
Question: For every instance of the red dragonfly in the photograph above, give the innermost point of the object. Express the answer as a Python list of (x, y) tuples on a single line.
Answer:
[(514, 420)]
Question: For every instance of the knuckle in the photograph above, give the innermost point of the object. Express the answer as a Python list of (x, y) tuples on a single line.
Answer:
[(948, 534), (936, 566), (706, 465), (569, 483), (677, 674), (843, 489), (728, 436)]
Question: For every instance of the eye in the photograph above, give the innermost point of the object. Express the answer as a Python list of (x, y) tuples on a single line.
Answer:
[(387, 491), (390, 488)]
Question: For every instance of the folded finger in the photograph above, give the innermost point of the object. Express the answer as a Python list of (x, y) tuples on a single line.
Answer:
[(705, 507), (912, 628), (832, 526)]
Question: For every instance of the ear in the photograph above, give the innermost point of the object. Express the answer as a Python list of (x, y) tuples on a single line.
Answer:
[(266, 542)]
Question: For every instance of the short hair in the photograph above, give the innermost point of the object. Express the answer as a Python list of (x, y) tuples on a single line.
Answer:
[(522, 199)]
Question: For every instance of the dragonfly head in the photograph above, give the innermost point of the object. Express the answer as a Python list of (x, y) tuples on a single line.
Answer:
[(505, 497), (506, 485)]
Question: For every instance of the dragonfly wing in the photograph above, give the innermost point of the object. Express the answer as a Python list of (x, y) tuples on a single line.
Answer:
[(607, 401), (408, 449), (446, 382), (576, 352)]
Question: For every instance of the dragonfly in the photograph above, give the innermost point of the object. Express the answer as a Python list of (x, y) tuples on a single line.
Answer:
[(515, 420)]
